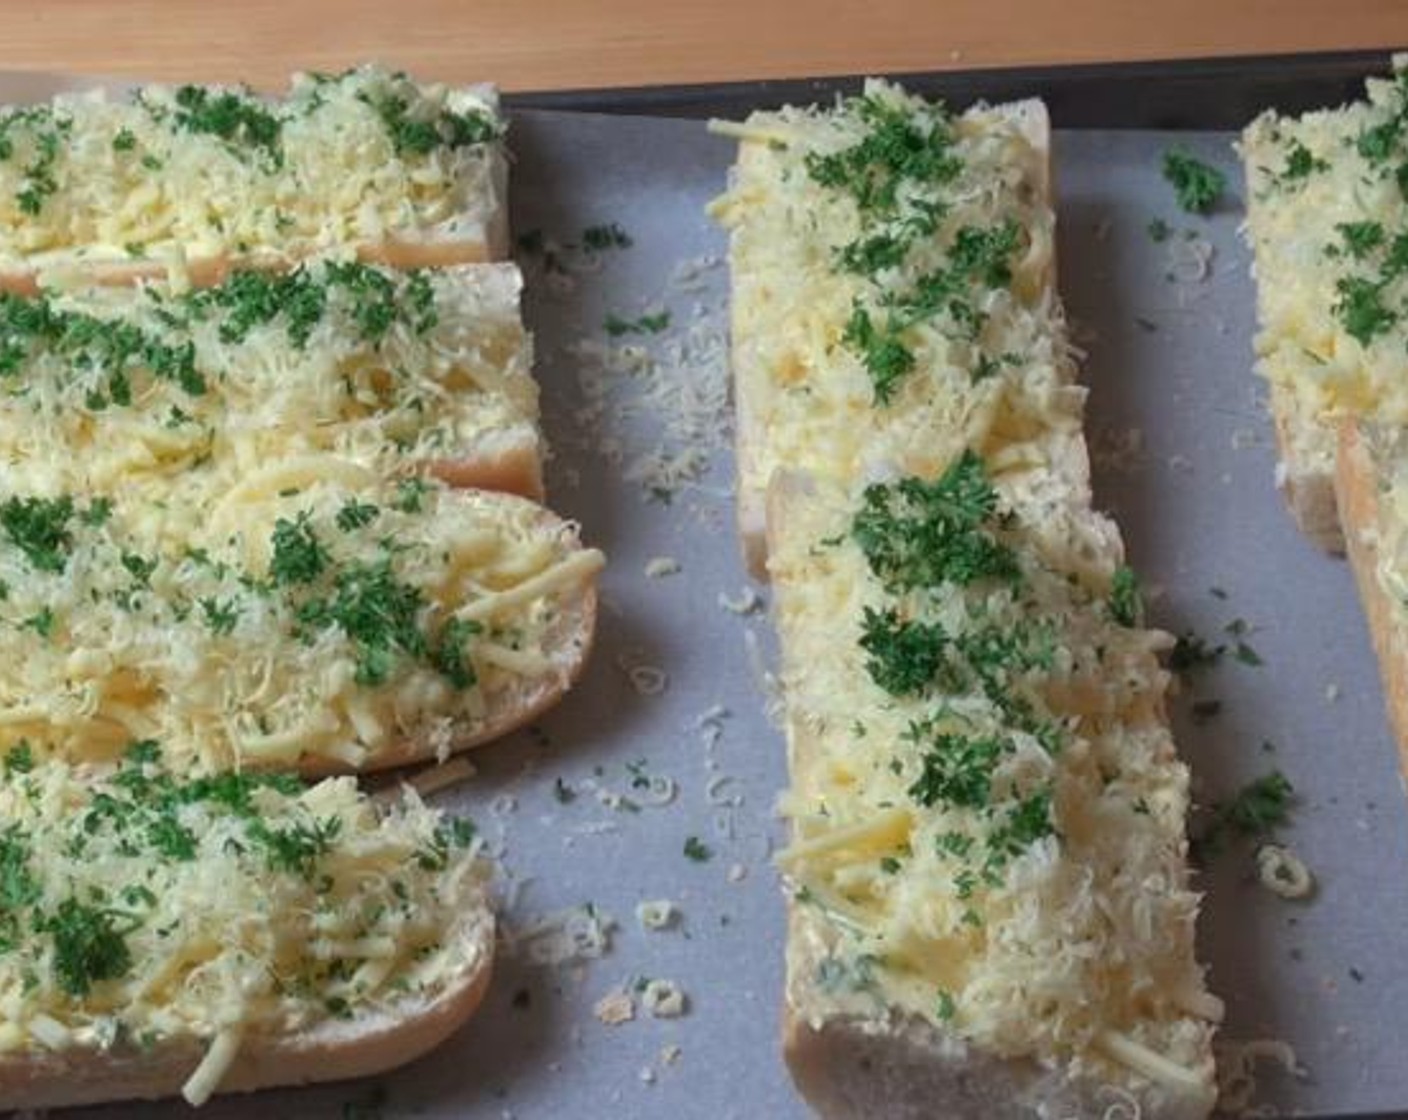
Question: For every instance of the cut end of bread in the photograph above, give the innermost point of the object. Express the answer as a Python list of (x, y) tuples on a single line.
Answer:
[(1305, 474), (1363, 475), (516, 469)]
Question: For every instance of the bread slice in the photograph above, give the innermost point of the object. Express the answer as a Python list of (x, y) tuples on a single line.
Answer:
[(366, 163), (178, 998), (309, 622), (1370, 486), (390, 370), (1323, 208), (899, 1001), (803, 400)]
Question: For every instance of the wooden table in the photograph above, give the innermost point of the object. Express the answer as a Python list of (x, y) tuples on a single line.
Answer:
[(534, 44)]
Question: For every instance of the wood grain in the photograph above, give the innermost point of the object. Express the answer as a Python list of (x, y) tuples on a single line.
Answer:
[(535, 44)]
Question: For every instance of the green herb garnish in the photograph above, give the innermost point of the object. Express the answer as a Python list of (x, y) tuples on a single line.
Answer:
[(1197, 185), (39, 528), (1126, 604), (697, 850), (923, 534)]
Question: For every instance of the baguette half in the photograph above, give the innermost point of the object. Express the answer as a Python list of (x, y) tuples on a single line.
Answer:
[(803, 400), (206, 179), (160, 389), (1323, 211), (312, 624), (154, 1009)]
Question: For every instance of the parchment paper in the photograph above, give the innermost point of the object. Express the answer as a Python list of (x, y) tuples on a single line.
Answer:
[(1169, 359)]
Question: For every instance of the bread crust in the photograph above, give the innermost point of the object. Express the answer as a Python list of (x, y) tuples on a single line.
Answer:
[(515, 469), (1360, 478), (334, 1050)]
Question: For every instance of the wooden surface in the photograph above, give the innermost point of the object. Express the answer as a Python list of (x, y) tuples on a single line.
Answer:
[(530, 44)]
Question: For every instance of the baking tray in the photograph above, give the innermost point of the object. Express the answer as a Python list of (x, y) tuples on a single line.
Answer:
[(667, 738)]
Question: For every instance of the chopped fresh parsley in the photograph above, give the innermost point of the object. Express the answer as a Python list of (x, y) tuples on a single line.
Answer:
[(697, 850), (615, 326), (1360, 308), (18, 886), (1361, 238), (410, 494), (607, 236), (39, 528), (956, 770), (297, 848), (414, 134), (98, 512), (900, 146), (1028, 821), (19, 759), (1159, 230), (376, 611), (1196, 185), (1246, 655), (1126, 604), (88, 946), (1258, 809), (1376, 143), (1191, 652), (886, 358), (124, 140), (41, 622), (917, 534), (451, 656), (239, 120), (92, 345), (1301, 163), (903, 655), (356, 515), (220, 616), (298, 555)]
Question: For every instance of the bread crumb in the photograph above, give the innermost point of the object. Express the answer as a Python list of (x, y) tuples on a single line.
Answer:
[(658, 567), (669, 1055), (663, 999), (1332, 692), (615, 1008), (737, 873), (647, 1075), (657, 914)]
